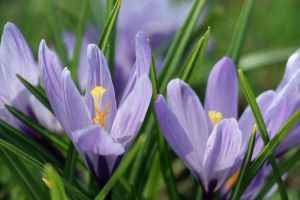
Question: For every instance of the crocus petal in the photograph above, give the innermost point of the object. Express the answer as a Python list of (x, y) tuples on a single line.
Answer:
[(141, 66), (16, 58), (292, 66), (247, 121), (176, 136), (222, 89), (132, 112), (187, 108), (99, 75), (223, 150), (94, 139), (76, 110), (53, 83)]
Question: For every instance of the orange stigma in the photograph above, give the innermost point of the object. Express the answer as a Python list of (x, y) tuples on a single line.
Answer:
[(232, 181)]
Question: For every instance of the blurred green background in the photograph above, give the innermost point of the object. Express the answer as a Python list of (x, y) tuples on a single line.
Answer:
[(274, 31)]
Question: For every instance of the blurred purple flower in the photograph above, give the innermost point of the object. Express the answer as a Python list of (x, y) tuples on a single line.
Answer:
[(158, 24), (16, 58), (101, 131), (208, 140)]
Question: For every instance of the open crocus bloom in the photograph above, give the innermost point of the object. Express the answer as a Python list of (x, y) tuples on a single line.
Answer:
[(208, 140), (100, 130), (16, 58)]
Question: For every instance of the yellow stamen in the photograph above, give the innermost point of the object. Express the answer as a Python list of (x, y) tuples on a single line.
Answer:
[(232, 181), (48, 183), (97, 92), (215, 117)]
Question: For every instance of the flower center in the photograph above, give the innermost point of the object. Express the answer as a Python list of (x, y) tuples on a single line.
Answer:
[(215, 117), (97, 93), (232, 181)]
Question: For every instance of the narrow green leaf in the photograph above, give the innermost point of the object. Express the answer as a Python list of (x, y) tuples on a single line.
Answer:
[(14, 135), (35, 126), (266, 57), (70, 163), (193, 62), (53, 181), (56, 28), (23, 175), (151, 189), (20, 154), (179, 44), (241, 29), (39, 93), (262, 128), (164, 152), (284, 168), (272, 145), (71, 190), (79, 33), (121, 169), (235, 194), (109, 26)]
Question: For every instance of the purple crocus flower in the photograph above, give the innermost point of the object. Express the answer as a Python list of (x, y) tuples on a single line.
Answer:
[(101, 130), (208, 139), (16, 58)]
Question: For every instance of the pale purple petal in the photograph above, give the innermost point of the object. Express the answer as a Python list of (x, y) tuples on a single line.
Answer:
[(99, 75), (176, 136), (15, 58), (222, 89), (187, 108), (141, 66), (94, 139), (53, 83), (247, 121), (76, 110), (223, 151), (292, 66), (131, 114)]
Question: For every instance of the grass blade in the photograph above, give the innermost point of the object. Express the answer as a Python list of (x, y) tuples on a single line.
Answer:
[(36, 127), (180, 42), (70, 163), (39, 93), (241, 29), (23, 175), (53, 181), (262, 129), (121, 169), (164, 152), (284, 168), (235, 194), (79, 33), (192, 64), (109, 26)]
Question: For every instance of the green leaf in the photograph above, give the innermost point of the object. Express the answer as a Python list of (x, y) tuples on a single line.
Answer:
[(241, 29), (70, 163), (193, 62), (109, 26), (121, 169), (266, 57), (235, 194), (272, 146), (20, 154), (23, 142), (23, 176), (53, 181), (164, 152), (262, 129), (37, 128), (56, 27), (179, 44), (38, 92), (79, 33), (284, 168)]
